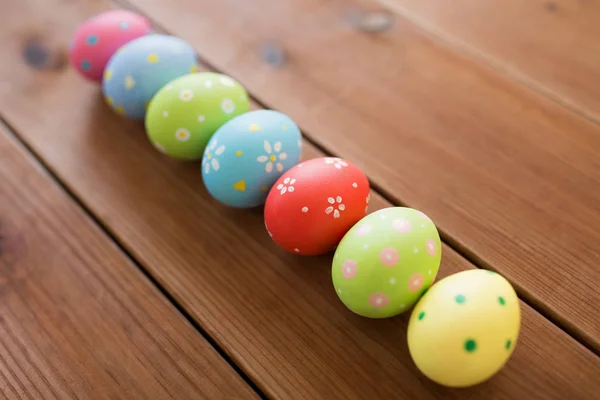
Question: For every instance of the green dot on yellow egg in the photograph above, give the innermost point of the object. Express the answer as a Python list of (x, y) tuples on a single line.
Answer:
[(460, 299), (501, 300), (470, 345), (421, 315), (508, 344)]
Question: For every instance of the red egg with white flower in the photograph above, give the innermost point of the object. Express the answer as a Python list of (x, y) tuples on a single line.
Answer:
[(312, 206)]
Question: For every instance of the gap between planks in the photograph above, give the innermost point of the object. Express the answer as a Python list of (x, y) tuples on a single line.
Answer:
[(111, 236), (478, 56), (454, 244)]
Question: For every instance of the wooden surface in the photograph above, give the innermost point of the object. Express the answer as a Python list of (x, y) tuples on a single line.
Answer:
[(551, 45), (276, 315), (510, 177), (77, 319)]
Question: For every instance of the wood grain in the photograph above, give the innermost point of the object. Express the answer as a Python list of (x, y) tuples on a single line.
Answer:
[(77, 319), (551, 45), (510, 177), (275, 314)]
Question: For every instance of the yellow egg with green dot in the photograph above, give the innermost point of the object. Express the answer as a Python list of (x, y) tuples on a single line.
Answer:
[(464, 329)]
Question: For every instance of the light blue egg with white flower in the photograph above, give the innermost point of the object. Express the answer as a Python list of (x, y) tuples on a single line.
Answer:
[(247, 154), (141, 68)]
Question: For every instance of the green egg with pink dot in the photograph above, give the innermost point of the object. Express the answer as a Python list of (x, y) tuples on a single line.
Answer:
[(185, 113), (385, 263)]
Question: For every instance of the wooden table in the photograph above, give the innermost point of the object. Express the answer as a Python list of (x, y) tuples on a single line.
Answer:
[(114, 281)]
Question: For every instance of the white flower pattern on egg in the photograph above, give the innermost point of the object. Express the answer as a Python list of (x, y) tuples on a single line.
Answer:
[(274, 154), (336, 206), (186, 95), (287, 186), (227, 106), (182, 134), (336, 162), (210, 157)]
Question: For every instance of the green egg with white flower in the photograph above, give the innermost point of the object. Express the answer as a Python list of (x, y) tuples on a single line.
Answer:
[(185, 113), (385, 263)]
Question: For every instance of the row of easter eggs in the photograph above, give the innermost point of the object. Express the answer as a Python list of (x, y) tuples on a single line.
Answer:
[(192, 115), (462, 329), (153, 77)]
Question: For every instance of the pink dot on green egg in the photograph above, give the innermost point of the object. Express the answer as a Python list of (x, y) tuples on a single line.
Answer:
[(349, 269), (401, 225), (431, 247), (415, 283), (389, 257), (378, 300), (363, 230)]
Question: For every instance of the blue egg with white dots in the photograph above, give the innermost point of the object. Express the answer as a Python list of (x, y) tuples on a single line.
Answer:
[(247, 154), (141, 68)]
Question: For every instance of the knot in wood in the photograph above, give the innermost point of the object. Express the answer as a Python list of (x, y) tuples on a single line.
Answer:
[(551, 6), (272, 53), (37, 54)]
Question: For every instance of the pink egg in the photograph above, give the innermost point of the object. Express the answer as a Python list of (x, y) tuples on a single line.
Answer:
[(98, 38)]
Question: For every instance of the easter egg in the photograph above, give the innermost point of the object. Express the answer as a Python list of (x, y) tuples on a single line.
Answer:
[(98, 38), (248, 154), (184, 114), (465, 328), (386, 261), (140, 68), (312, 206)]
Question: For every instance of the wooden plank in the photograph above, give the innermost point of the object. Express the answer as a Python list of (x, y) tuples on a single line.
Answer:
[(549, 44), (77, 319), (275, 314), (510, 177)]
